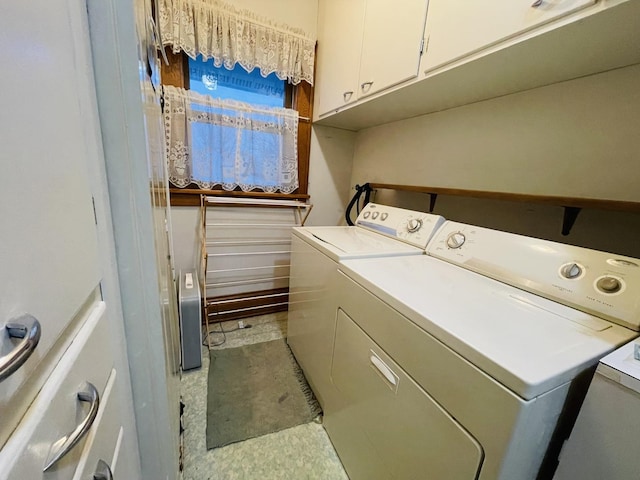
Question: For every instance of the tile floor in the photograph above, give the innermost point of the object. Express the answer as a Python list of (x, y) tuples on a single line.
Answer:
[(301, 453)]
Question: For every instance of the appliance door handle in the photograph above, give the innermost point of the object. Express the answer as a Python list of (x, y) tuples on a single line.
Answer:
[(103, 471), (60, 448), (384, 370), (28, 329)]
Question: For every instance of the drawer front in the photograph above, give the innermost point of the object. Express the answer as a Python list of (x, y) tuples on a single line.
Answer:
[(412, 435), (57, 410)]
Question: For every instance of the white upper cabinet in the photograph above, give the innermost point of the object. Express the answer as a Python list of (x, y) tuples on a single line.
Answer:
[(391, 43), (476, 51), (340, 26), (365, 46), (457, 28)]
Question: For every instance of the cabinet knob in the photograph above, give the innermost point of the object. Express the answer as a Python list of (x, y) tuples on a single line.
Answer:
[(366, 86), (347, 95), (28, 329)]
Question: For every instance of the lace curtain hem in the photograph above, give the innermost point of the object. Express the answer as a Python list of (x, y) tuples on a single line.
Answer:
[(234, 144), (217, 30)]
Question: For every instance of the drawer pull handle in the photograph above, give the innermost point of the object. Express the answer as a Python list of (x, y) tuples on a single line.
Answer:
[(347, 95), (537, 3), (28, 329), (384, 370), (59, 449), (103, 471), (365, 86)]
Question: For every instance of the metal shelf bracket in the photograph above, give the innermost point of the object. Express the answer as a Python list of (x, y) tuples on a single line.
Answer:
[(569, 218)]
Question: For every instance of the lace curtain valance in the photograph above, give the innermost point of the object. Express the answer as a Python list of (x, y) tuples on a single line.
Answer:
[(217, 30), (213, 142)]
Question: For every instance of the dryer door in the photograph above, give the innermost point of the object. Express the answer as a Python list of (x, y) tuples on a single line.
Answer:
[(408, 431)]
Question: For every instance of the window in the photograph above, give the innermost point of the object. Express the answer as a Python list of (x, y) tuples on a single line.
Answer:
[(238, 84)]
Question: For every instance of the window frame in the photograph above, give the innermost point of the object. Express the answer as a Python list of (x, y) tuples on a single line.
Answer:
[(298, 97)]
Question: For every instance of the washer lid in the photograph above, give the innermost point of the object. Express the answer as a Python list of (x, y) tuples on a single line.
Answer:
[(353, 242), (527, 343)]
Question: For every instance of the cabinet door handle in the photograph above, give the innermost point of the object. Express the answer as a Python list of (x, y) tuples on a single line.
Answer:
[(537, 3), (103, 471), (366, 86), (28, 329), (59, 449), (347, 95)]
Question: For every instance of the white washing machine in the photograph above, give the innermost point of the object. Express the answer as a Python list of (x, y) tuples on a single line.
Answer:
[(604, 441), (470, 365), (315, 252)]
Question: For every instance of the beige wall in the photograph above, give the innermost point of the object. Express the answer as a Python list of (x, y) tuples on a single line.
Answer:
[(185, 234), (578, 138), (329, 174)]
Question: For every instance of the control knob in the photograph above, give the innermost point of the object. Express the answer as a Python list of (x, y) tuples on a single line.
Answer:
[(571, 270), (413, 225), (456, 240), (609, 285)]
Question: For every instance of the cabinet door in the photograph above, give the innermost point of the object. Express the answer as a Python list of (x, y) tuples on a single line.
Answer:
[(391, 43), (456, 28), (49, 262), (338, 60)]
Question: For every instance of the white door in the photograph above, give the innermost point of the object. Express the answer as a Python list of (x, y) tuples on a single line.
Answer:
[(49, 260), (458, 27), (57, 254)]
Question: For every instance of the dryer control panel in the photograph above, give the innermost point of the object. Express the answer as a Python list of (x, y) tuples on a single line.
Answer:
[(600, 283), (412, 227)]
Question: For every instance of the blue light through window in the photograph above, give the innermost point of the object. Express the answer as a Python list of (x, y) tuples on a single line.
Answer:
[(236, 84)]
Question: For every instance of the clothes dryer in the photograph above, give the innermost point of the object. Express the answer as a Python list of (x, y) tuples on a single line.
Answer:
[(380, 231), (469, 362)]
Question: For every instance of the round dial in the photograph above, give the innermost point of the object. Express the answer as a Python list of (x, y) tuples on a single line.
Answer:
[(456, 240), (571, 270), (413, 225), (609, 284)]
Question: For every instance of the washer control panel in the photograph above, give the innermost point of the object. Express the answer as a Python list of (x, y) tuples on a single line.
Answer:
[(600, 283), (412, 227)]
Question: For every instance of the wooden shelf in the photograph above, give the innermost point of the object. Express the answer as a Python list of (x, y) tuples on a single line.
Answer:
[(594, 203)]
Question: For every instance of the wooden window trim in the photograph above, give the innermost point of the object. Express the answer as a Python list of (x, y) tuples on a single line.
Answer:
[(298, 97)]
